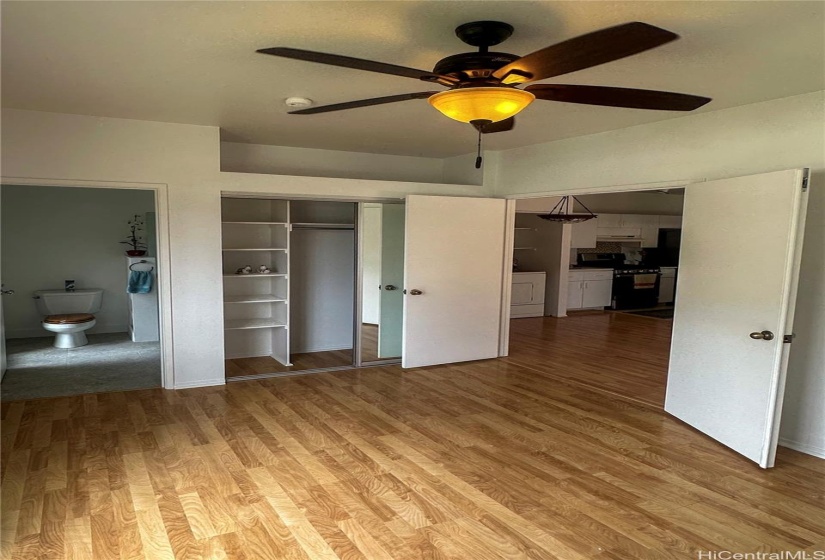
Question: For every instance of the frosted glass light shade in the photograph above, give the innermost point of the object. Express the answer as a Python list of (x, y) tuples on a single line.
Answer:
[(482, 103)]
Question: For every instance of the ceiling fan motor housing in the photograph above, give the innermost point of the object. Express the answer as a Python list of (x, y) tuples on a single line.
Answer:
[(473, 66)]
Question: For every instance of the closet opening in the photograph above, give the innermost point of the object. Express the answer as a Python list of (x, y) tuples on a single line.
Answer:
[(292, 290)]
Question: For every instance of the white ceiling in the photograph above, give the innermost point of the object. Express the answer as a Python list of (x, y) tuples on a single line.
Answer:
[(195, 62)]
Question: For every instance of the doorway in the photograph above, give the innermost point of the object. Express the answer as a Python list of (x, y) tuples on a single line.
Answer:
[(602, 285), (734, 308), (78, 321)]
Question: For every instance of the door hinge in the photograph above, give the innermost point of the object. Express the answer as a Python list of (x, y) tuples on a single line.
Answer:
[(805, 177), (788, 338)]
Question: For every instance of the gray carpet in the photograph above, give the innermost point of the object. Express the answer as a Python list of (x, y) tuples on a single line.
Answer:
[(110, 362)]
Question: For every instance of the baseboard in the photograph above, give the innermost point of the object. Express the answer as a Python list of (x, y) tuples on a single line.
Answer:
[(808, 449), (204, 383)]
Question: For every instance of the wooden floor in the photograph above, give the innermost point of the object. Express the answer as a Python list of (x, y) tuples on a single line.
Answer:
[(369, 342), (240, 367), (472, 461), (618, 353)]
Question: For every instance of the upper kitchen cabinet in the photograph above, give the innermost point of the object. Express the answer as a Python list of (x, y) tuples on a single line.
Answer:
[(670, 222), (584, 234)]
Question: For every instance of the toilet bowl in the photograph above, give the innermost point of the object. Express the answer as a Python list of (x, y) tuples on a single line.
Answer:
[(68, 314)]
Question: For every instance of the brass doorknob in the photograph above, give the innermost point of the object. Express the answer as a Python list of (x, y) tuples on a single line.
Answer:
[(764, 335), (390, 287), (416, 292)]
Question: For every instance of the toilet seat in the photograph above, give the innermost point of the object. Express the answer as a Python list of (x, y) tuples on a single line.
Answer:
[(69, 319)]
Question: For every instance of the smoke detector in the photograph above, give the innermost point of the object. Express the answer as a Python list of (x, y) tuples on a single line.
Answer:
[(298, 102)]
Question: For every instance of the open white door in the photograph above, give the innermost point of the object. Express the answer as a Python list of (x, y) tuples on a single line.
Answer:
[(453, 270), (391, 301), (741, 245)]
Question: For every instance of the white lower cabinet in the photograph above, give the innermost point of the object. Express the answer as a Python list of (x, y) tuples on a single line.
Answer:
[(527, 295), (589, 289)]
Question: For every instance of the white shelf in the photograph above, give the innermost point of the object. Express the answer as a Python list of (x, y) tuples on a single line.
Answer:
[(258, 223), (322, 225), (253, 298), (258, 249), (237, 324), (253, 275)]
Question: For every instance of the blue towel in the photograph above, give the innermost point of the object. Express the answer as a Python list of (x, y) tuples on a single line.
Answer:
[(140, 282)]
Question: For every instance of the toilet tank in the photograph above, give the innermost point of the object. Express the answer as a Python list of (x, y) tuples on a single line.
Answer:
[(58, 302)]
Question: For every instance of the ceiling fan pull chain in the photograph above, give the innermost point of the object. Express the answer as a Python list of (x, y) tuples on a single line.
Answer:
[(478, 156)]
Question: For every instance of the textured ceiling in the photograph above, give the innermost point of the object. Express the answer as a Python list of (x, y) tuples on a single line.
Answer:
[(195, 62)]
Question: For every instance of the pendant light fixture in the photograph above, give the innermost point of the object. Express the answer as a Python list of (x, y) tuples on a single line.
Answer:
[(491, 104), (561, 212)]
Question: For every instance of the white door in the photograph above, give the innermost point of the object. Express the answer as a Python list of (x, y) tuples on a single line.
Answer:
[(453, 274), (741, 245), (391, 304)]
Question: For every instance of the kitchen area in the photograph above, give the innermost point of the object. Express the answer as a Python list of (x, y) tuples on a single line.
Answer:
[(593, 287), (613, 252)]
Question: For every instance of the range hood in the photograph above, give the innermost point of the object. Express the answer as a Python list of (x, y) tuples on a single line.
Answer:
[(600, 237), (618, 234)]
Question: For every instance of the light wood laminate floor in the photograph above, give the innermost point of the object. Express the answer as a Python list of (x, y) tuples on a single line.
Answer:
[(618, 353), (240, 367), (480, 460)]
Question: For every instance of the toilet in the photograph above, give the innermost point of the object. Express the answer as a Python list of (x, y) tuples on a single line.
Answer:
[(68, 314)]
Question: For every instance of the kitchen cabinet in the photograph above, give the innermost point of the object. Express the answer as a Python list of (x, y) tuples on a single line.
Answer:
[(609, 220), (667, 284), (584, 234), (670, 222), (589, 289), (527, 294)]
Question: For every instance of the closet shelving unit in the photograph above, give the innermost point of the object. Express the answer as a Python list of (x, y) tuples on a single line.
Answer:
[(256, 313), (260, 310)]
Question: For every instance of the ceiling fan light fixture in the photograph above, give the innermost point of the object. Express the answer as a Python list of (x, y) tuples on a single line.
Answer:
[(491, 104)]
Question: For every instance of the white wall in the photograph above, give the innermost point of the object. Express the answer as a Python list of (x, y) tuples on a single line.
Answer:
[(81, 150), (371, 263), (322, 290), (285, 160), (780, 134), (552, 242), (52, 234), (651, 203)]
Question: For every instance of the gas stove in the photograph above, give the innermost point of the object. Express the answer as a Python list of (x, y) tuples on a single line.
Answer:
[(628, 269), (616, 261)]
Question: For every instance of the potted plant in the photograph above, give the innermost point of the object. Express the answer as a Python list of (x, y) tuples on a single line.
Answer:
[(135, 239)]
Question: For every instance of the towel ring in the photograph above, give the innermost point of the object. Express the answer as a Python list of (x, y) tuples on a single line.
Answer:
[(141, 262)]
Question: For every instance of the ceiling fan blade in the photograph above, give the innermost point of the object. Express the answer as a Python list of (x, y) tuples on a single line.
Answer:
[(358, 64), (585, 51), (363, 103), (499, 126), (618, 97)]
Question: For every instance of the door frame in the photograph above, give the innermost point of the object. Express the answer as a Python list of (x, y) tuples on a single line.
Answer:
[(161, 193)]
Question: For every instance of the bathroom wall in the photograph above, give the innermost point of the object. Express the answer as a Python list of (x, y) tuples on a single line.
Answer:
[(51, 234)]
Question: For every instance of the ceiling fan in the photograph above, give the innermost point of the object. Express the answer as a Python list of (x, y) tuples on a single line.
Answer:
[(483, 85)]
